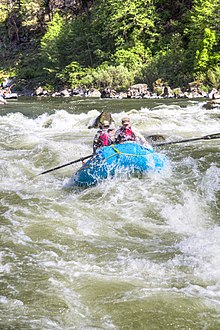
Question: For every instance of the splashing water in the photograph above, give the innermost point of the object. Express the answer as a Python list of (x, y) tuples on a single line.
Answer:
[(129, 253)]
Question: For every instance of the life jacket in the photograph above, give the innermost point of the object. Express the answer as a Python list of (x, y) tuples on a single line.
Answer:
[(125, 134), (102, 139)]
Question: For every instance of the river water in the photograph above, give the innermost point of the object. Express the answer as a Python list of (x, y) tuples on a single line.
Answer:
[(129, 253)]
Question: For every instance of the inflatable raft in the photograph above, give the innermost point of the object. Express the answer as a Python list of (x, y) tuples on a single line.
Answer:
[(117, 159)]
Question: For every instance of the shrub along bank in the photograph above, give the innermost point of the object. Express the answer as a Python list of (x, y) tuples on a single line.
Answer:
[(110, 44)]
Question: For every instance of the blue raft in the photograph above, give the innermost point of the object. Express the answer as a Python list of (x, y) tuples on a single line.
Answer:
[(108, 161)]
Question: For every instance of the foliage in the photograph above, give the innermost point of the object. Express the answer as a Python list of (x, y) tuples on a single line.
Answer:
[(49, 44), (111, 43), (75, 75), (115, 77), (104, 76), (212, 78), (171, 65), (205, 57), (132, 58), (123, 23), (204, 36)]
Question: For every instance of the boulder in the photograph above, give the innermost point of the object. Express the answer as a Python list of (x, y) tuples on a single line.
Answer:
[(99, 120), (212, 104)]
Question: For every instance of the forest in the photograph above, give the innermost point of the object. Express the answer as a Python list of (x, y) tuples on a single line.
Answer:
[(110, 43)]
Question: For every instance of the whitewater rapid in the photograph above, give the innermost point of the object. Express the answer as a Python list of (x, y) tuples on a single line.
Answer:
[(129, 253)]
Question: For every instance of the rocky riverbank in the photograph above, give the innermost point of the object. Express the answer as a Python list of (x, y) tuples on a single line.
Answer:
[(137, 91), (193, 90)]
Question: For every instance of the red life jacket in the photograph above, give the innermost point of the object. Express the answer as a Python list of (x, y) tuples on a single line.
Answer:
[(125, 134), (102, 139)]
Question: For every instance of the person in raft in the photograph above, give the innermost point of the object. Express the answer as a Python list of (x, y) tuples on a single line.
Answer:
[(127, 133), (104, 136)]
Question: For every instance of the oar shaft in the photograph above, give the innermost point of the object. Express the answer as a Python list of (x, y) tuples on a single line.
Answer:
[(64, 165), (206, 137), (176, 142)]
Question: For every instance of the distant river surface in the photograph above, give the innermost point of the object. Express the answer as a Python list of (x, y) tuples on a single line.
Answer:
[(136, 253)]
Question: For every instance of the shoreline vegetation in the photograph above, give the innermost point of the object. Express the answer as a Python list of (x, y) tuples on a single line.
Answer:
[(112, 48)]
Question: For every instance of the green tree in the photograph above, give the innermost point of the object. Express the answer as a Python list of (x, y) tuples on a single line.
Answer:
[(204, 35), (49, 44), (85, 40), (212, 78), (124, 23), (205, 57), (132, 58), (75, 75), (171, 64), (114, 77)]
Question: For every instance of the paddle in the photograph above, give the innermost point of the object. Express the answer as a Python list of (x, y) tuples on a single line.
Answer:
[(58, 167), (206, 137)]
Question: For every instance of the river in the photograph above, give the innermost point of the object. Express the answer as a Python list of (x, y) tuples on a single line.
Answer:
[(135, 253)]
